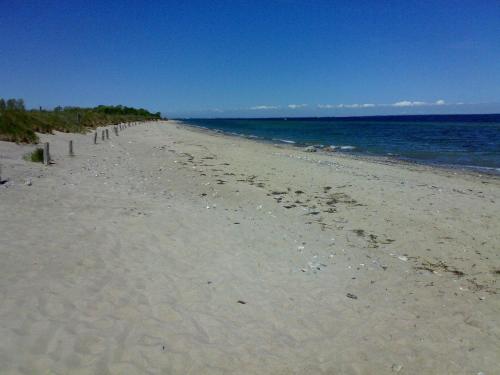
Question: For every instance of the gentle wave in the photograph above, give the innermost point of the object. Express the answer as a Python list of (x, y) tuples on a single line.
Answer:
[(284, 140), (470, 141)]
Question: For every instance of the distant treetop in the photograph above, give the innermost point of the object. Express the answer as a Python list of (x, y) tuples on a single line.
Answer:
[(123, 110), (12, 104), (18, 105)]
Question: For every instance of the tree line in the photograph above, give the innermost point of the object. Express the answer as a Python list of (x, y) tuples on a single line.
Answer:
[(12, 104), (18, 105)]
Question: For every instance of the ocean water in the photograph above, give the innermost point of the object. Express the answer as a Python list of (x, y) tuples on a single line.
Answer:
[(470, 141)]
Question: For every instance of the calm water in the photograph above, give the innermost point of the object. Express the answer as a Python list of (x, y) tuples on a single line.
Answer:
[(471, 141)]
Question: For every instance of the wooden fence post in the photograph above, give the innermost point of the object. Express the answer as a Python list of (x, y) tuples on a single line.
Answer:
[(107, 134), (116, 130), (46, 154), (102, 135), (71, 148), (95, 137)]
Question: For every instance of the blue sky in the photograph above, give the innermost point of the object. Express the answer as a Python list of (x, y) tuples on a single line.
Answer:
[(254, 58)]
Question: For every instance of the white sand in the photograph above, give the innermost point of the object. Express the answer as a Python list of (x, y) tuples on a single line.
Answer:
[(131, 257)]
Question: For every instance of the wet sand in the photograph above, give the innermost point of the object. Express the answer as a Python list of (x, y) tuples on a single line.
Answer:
[(169, 250)]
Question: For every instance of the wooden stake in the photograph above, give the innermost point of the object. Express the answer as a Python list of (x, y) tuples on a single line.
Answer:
[(71, 148), (46, 154), (95, 138), (102, 135), (107, 134)]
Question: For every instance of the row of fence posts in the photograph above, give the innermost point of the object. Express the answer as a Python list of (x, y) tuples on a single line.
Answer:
[(104, 136), (116, 129)]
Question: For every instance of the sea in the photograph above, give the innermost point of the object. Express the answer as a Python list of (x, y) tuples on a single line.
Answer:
[(456, 141)]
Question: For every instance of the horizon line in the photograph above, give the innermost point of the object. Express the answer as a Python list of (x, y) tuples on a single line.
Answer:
[(326, 117)]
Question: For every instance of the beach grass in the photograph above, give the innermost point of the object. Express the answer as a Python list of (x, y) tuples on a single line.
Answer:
[(20, 126), (35, 156)]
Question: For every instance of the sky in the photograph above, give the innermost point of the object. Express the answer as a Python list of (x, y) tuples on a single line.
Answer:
[(254, 58)]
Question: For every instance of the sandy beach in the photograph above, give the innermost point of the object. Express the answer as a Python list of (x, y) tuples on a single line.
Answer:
[(169, 250)]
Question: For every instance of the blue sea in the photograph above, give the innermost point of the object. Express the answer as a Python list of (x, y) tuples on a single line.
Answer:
[(467, 141)]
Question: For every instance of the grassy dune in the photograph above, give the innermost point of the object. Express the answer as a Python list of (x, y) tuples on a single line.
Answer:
[(19, 125)]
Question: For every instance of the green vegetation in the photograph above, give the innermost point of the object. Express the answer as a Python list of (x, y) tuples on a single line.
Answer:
[(20, 125), (35, 156)]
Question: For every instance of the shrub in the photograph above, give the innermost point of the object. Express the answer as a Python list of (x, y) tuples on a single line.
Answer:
[(36, 156)]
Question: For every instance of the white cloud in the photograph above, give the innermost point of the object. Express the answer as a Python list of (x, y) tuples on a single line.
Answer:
[(407, 103), (328, 106), (296, 106), (263, 107), (401, 103)]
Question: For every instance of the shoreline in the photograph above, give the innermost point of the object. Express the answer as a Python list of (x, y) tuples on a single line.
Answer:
[(477, 171), (171, 250)]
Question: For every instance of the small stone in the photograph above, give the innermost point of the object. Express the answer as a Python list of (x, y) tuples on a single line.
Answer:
[(330, 149), (396, 368), (350, 295), (310, 149)]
